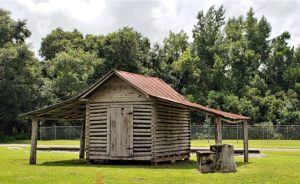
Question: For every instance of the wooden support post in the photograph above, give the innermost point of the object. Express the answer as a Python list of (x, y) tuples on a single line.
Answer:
[(245, 130), (218, 130), (34, 132), (82, 140)]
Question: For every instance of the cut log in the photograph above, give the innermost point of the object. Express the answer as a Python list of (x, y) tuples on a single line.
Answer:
[(224, 157)]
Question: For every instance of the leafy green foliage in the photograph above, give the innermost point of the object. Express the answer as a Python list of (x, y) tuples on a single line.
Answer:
[(19, 86), (58, 41), (12, 31), (68, 73)]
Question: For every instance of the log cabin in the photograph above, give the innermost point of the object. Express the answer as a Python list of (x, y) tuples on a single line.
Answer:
[(127, 116)]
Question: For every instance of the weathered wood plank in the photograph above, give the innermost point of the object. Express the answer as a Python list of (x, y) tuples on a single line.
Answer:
[(245, 137), (218, 130), (87, 128), (82, 140), (142, 121), (34, 132)]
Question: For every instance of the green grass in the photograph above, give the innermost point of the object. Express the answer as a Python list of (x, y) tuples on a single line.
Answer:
[(64, 168), (253, 143), (47, 142), (200, 143)]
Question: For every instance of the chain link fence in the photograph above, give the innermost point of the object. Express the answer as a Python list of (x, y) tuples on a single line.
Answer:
[(60, 132), (261, 132)]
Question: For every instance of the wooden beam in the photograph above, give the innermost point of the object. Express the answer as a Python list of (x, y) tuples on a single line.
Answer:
[(34, 132), (56, 109), (218, 130), (82, 141), (245, 128), (231, 121)]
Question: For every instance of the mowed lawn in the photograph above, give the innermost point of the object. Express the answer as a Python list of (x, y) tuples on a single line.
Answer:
[(195, 143), (252, 143), (63, 168)]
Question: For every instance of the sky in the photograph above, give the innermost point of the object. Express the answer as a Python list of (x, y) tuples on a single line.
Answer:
[(153, 18)]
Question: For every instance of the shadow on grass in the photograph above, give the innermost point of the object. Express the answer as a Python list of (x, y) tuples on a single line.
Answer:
[(239, 164), (188, 164)]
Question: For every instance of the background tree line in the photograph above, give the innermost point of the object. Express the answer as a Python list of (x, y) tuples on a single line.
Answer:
[(232, 64)]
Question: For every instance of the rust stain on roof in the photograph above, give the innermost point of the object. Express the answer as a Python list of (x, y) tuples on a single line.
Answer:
[(158, 88)]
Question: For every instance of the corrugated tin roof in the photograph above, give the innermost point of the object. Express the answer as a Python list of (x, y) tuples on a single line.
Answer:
[(158, 88), (150, 86)]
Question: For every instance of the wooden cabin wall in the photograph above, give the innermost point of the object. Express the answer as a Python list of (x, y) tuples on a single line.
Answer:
[(117, 92), (172, 131)]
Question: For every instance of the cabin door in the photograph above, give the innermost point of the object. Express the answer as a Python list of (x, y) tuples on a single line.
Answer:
[(121, 131)]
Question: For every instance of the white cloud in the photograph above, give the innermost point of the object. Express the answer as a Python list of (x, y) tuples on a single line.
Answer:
[(153, 18), (78, 9)]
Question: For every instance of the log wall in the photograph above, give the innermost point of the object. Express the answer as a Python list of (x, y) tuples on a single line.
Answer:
[(172, 131), (117, 93)]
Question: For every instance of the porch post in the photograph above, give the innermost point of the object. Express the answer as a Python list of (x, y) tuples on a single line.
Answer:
[(218, 130), (245, 130), (34, 132), (82, 140)]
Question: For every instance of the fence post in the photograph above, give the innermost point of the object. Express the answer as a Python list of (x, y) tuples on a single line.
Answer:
[(70, 132), (208, 134), (54, 132), (287, 132), (40, 132), (268, 127), (237, 133)]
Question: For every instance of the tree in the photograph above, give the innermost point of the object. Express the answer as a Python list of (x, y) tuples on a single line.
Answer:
[(279, 60), (125, 49), (20, 75), (172, 48), (208, 46), (59, 41), (12, 31), (68, 73)]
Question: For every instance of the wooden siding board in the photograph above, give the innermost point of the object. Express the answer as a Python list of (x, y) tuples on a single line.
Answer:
[(172, 130)]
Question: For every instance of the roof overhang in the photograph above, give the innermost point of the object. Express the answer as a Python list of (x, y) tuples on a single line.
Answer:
[(74, 108)]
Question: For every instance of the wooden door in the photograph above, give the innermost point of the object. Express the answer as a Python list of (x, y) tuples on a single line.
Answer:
[(121, 131)]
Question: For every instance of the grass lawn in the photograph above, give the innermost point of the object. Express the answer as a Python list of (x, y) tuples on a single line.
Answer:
[(47, 142), (201, 143), (64, 168), (253, 143)]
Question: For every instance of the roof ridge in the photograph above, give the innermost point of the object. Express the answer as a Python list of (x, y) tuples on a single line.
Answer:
[(141, 75)]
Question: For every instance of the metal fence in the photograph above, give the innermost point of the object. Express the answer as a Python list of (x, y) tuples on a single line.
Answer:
[(59, 132), (263, 132)]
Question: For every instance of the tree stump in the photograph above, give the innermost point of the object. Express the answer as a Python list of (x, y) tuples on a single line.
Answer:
[(224, 157)]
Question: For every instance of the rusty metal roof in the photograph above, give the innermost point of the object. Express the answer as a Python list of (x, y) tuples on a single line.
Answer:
[(158, 88), (74, 108)]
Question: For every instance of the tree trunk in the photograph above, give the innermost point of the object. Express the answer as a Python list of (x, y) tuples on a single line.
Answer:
[(224, 157)]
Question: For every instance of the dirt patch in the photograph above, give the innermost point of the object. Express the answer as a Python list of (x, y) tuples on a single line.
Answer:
[(253, 155), (14, 148)]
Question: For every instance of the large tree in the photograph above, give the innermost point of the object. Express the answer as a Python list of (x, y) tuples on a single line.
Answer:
[(59, 40), (69, 73), (20, 81), (125, 49), (12, 31)]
